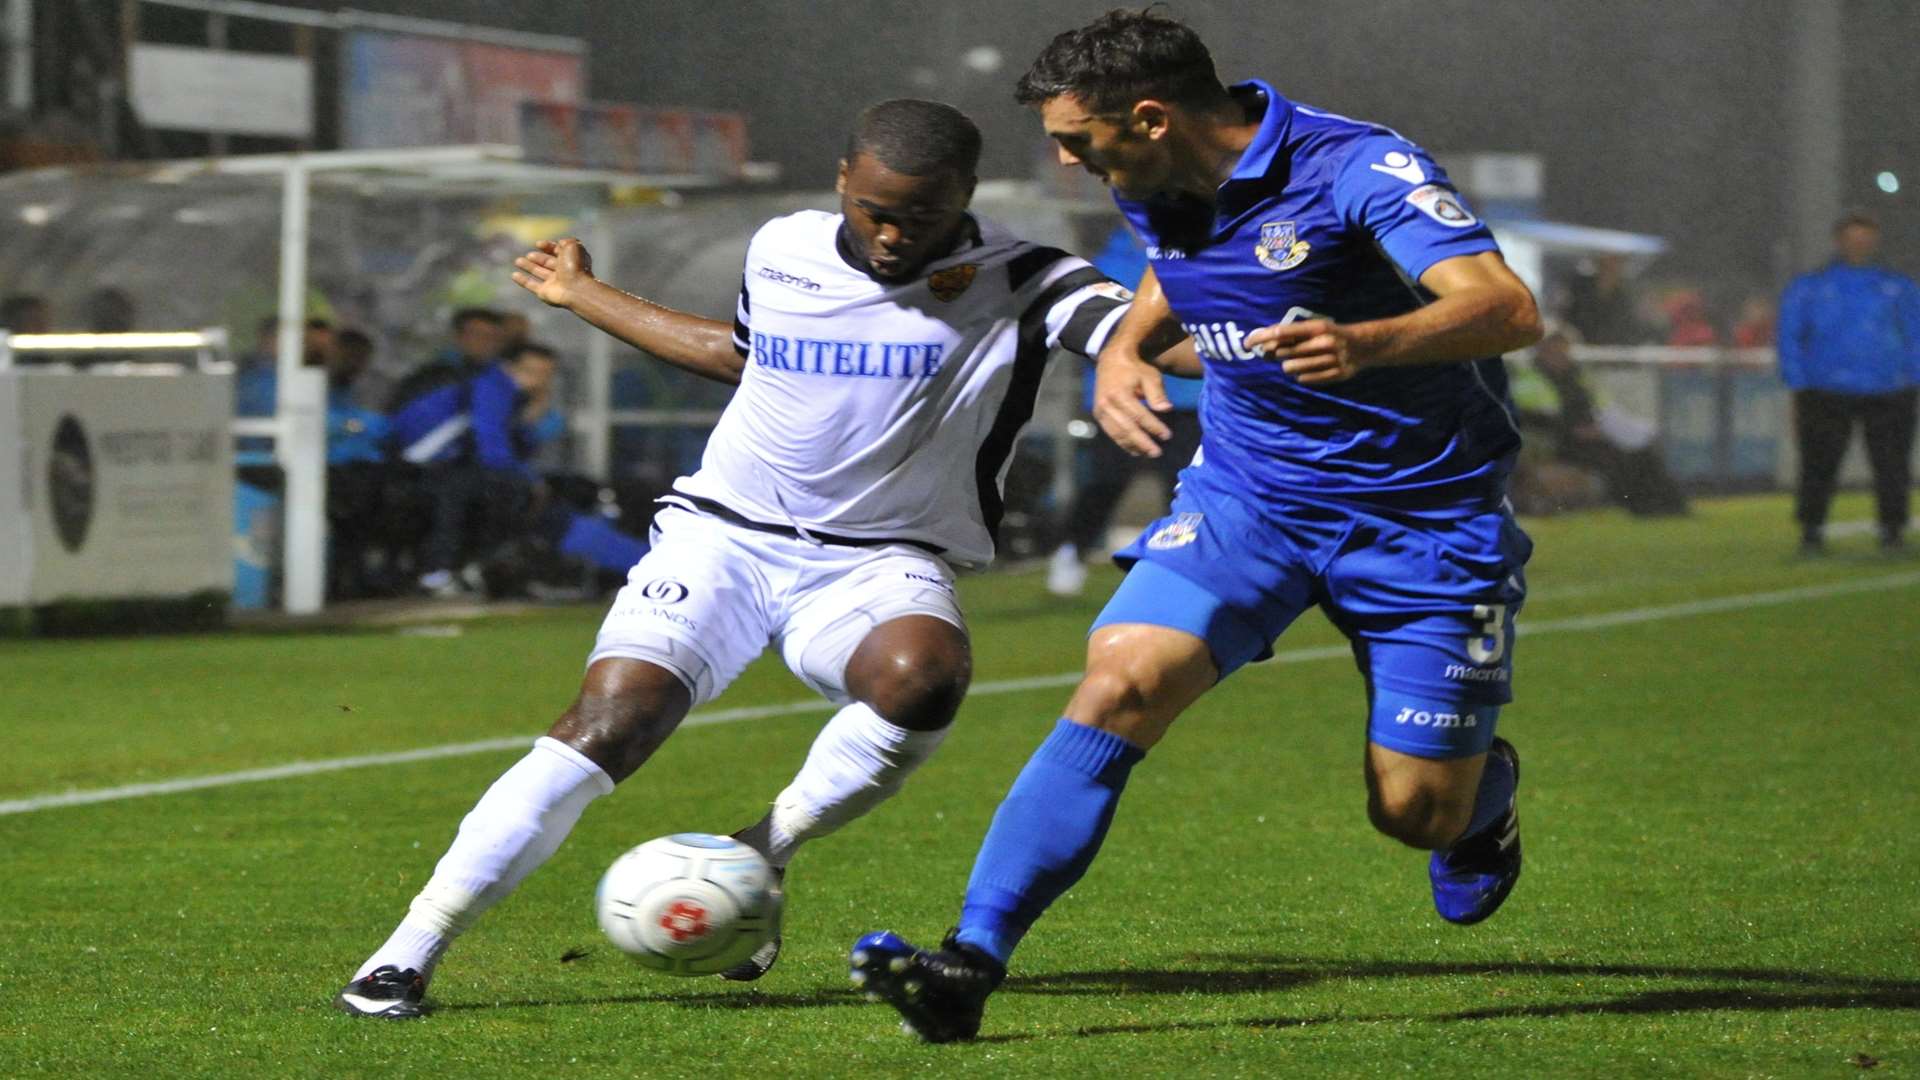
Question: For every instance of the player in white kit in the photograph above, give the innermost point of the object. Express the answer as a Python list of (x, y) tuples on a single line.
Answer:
[(887, 356)]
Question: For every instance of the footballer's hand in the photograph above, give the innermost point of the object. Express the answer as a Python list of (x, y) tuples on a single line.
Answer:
[(1127, 391), (1314, 351), (554, 270)]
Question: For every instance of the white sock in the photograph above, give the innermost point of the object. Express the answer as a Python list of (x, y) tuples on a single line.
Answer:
[(857, 762), (515, 826)]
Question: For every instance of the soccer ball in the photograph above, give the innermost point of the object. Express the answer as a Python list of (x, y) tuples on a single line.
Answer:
[(689, 904)]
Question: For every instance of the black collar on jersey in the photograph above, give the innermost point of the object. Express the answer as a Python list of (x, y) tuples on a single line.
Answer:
[(968, 235)]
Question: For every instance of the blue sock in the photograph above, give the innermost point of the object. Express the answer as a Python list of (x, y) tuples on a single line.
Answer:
[(1045, 834), (595, 539), (1494, 796)]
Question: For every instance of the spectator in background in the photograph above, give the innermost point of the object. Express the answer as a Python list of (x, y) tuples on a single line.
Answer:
[(354, 434), (477, 341), (468, 439), (540, 420), (108, 310), (1105, 469), (24, 313), (1754, 328), (1849, 342), (1558, 408), (256, 381), (515, 330), (356, 473), (256, 387), (1601, 304), (1688, 325)]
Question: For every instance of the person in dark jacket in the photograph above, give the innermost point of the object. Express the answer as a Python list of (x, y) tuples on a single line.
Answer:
[(1849, 343), (474, 455)]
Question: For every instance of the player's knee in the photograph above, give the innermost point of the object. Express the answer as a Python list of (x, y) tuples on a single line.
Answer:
[(625, 710), (1108, 694), (919, 691), (1118, 695), (913, 671), (1418, 817)]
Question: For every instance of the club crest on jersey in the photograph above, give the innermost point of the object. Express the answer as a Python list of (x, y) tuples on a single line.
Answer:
[(1280, 246), (1181, 531), (948, 284)]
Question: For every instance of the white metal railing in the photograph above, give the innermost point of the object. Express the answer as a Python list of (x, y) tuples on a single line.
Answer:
[(207, 346), (1670, 356)]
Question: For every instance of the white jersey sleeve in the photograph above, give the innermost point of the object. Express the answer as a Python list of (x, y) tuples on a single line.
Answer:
[(1077, 304), (741, 332)]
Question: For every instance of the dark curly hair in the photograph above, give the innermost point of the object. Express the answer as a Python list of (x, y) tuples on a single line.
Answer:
[(917, 137), (1122, 57)]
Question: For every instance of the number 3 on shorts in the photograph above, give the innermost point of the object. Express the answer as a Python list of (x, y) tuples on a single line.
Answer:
[(1490, 644)]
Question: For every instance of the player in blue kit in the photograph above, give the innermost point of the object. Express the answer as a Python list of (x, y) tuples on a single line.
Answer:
[(1349, 312)]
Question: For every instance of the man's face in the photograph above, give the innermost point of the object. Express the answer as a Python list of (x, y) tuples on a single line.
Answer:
[(1857, 244), (900, 223), (1127, 151), (317, 346), (533, 372), (515, 328), (479, 340)]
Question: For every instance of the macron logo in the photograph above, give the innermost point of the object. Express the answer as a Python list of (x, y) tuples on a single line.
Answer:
[(785, 278), (1401, 167)]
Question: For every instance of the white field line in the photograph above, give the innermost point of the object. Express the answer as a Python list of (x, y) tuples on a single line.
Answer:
[(1575, 624)]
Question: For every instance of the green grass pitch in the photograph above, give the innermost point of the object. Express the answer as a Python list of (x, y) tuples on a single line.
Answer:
[(1721, 810)]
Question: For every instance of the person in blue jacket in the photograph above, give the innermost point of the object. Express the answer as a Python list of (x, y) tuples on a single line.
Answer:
[(1849, 343), (468, 439)]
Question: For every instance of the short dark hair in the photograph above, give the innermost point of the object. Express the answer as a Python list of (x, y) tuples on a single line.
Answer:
[(917, 138), (533, 348), (353, 339), (1860, 218), (19, 306), (472, 314), (1122, 57)]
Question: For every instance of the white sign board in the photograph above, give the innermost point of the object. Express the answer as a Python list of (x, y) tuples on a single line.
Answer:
[(16, 531), (124, 486), (187, 89)]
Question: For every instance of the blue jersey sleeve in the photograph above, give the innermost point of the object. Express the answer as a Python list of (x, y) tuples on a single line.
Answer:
[(1391, 189), (494, 395)]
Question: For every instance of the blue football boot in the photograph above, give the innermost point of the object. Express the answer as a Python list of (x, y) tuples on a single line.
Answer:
[(1472, 878), (940, 995)]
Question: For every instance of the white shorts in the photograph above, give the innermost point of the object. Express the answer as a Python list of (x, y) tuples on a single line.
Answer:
[(711, 596)]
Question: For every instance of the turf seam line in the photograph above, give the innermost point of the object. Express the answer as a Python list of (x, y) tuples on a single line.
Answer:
[(1573, 624)]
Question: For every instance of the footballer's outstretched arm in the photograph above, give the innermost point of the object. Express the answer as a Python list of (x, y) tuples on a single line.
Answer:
[(560, 273), (1481, 308), (1127, 387)]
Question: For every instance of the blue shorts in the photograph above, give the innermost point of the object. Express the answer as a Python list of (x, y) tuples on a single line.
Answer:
[(1427, 602)]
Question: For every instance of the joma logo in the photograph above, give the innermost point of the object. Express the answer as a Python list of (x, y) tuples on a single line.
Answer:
[(1423, 718)]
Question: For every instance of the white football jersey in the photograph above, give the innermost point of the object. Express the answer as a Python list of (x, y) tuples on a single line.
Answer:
[(877, 411)]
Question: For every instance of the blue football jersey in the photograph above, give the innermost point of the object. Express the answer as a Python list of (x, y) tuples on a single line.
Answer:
[(1336, 218)]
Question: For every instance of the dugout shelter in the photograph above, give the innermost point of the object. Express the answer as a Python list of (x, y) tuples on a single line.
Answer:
[(388, 240)]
